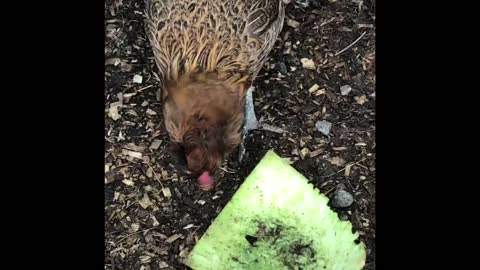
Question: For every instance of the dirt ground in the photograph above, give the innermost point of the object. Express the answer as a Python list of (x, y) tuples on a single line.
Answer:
[(154, 212)]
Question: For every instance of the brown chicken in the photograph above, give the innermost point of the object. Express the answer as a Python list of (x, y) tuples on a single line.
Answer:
[(208, 53)]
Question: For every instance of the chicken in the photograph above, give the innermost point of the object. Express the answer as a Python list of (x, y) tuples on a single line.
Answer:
[(208, 53)]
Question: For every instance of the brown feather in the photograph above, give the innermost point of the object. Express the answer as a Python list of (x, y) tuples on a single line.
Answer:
[(208, 53)]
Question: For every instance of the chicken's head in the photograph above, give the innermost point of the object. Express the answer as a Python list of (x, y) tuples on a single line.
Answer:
[(204, 114), (205, 150)]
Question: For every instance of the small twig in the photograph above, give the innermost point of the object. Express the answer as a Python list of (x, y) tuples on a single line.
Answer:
[(361, 165), (195, 231), (330, 190), (155, 174), (271, 128), (332, 174), (128, 235), (356, 163), (350, 184), (353, 43), (227, 170), (146, 87)]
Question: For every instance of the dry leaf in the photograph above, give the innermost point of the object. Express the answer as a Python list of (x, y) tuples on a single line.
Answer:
[(314, 88), (336, 161), (137, 79), (345, 90), (292, 23), (135, 227), (155, 221), (162, 265), (271, 128), (116, 194), (166, 192), (120, 98), (129, 95), (324, 127), (155, 144), (132, 112), (145, 202), (128, 182), (134, 147), (188, 226), (344, 29), (173, 238), (132, 153), (151, 112), (304, 152), (320, 92), (361, 99), (164, 174), (149, 172), (316, 153), (308, 63), (112, 61), (125, 171), (348, 169), (108, 181), (144, 259), (113, 111)]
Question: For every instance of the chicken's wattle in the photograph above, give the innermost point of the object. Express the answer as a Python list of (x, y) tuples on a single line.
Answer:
[(205, 181)]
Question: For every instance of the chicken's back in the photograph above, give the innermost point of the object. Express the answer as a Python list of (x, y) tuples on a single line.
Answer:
[(231, 37)]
